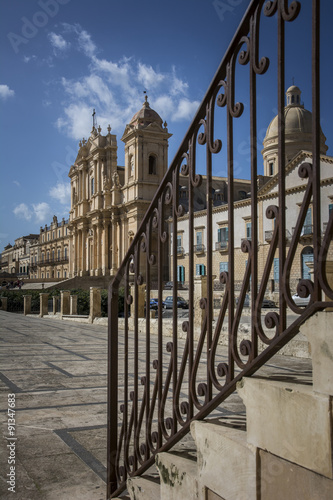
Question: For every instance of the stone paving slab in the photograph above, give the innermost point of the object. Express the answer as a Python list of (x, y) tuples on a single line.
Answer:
[(57, 371)]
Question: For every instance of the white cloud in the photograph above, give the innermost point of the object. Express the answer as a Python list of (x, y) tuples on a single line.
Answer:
[(78, 120), (177, 85), (6, 92), (17, 183), (86, 44), (42, 211), (164, 105), (148, 76), (114, 89), (27, 59), (22, 211), (58, 41), (185, 110), (61, 192)]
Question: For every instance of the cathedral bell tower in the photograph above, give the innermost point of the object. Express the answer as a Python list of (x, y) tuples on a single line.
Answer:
[(146, 162)]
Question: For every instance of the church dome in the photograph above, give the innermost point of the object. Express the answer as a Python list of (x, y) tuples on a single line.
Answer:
[(297, 118), (145, 116), (298, 130)]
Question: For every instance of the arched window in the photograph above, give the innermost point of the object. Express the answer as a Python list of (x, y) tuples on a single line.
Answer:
[(152, 165)]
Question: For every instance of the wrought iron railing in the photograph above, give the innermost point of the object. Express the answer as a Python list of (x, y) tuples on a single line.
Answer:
[(152, 401)]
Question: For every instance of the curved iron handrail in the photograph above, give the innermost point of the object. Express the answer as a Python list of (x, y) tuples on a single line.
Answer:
[(160, 397)]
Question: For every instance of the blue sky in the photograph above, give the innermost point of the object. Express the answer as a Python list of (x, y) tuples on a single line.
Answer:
[(60, 59)]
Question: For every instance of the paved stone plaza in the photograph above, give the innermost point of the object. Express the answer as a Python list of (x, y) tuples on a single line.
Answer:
[(54, 374)]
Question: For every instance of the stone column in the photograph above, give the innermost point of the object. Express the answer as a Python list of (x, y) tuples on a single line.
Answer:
[(95, 303), (105, 247), (43, 297), (97, 249), (27, 304), (64, 302), (74, 252), (83, 250), (200, 291), (78, 252), (73, 305), (55, 302), (4, 301), (114, 246)]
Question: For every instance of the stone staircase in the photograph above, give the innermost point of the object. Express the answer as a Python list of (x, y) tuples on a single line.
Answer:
[(285, 453)]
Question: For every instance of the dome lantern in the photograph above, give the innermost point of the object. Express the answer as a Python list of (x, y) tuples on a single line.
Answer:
[(298, 133)]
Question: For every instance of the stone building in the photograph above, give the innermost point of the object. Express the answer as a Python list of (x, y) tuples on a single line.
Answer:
[(49, 256), (108, 201), (15, 259), (298, 147)]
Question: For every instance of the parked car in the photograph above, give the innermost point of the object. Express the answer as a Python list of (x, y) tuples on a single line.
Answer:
[(154, 303), (268, 303), (299, 301), (168, 303)]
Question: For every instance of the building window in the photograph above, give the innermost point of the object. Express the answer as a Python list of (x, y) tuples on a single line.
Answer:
[(179, 240), (58, 254), (152, 165), (58, 274), (65, 274), (271, 168), (224, 267), (92, 186), (65, 252), (276, 269), (218, 197), (242, 195), (307, 258), (59, 233), (47, 275), (183, 192), (222, 237), (43, 238), (200, 270), (181, 274), (48, 236), (248, 230), (307, 226)]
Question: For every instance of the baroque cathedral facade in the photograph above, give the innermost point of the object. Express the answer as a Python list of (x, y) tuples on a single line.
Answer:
[(108, 202)]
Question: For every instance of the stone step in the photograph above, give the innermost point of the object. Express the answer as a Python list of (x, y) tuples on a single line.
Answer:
[(178, 476), (291, 421), (143, 488), (227, 464)]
